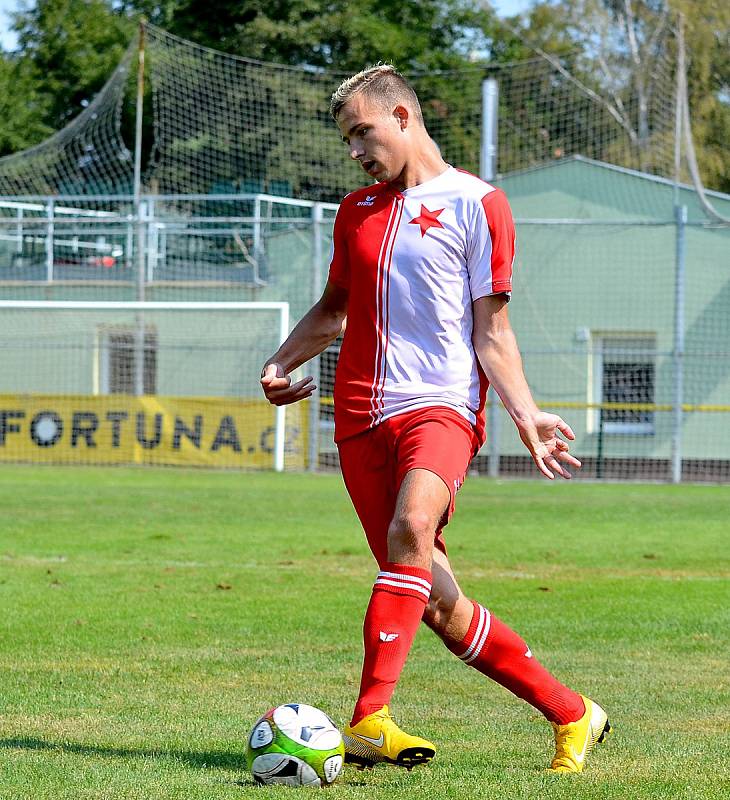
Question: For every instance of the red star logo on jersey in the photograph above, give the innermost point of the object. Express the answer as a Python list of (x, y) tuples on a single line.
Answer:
[(427, 219)]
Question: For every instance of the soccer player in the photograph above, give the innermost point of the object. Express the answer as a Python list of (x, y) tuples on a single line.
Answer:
[(421, 274)]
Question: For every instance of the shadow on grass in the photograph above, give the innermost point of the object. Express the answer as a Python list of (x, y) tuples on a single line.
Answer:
[(219, 759)]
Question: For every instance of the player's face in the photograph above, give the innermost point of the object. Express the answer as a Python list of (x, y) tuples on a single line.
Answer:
[(375, 137)]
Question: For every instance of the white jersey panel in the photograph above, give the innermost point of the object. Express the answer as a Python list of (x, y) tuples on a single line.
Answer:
[(429, 357)]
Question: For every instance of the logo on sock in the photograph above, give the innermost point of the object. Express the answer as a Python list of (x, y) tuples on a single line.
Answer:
[(528, 654), (388, 637)]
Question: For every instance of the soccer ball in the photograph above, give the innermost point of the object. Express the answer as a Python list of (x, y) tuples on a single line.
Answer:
[(295, 745)]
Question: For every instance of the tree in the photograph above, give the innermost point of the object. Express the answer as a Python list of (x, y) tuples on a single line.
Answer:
[(624, 48), (69, 48), (707, 33), (601, 75), (22, 108), (283, 133), (338, 35)]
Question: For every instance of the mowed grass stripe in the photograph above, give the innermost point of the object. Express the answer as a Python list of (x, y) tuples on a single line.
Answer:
[(149, 616)]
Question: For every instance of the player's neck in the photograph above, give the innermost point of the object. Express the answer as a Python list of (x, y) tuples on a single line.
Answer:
[(424, 164)]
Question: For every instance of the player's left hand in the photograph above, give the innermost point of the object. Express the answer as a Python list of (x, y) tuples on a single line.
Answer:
[(548, 450)]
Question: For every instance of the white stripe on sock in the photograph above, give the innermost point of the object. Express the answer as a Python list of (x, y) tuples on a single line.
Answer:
[(413, 587), (402, 576), (477, 634), (480, 637)]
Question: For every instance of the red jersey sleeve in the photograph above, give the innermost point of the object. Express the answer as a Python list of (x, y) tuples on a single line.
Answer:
[(339, 273), (492, 247)]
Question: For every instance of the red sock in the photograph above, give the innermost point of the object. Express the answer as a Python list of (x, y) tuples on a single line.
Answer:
[(396, 607), (500, 654)]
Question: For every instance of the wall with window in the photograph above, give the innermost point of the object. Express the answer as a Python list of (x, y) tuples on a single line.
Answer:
[(594, 313)]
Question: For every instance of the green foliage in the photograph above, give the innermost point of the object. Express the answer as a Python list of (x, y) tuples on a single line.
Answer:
[(23, 109), (68, 48), (617, 49), (67, 51), (72, 47), (338, 35)]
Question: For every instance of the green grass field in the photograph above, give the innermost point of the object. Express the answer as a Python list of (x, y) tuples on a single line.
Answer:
[(149, 616)]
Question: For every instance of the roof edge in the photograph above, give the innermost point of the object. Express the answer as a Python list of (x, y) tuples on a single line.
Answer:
[(634, 173)]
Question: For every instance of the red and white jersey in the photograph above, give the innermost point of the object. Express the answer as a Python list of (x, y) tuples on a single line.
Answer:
[(413, 261)]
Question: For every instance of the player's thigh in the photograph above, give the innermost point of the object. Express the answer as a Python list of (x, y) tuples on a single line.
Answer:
[(369, 476), (438, 443), (423, 499)]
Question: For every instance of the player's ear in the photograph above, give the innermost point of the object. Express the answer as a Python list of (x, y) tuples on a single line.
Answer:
[(402, 116)]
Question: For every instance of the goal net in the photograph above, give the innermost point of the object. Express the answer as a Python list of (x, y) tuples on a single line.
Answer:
[(87, 157), (144, 383), (620, 307), (224, 124)]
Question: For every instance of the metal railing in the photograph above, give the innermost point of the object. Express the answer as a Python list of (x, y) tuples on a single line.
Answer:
[(44, 236)]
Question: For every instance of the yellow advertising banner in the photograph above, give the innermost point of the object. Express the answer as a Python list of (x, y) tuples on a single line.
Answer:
[(119, 429)]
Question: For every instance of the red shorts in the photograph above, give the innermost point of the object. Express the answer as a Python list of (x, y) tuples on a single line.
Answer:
[(375, 462)]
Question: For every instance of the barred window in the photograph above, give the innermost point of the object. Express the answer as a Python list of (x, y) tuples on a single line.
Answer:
[(118, 355), (624, 374)]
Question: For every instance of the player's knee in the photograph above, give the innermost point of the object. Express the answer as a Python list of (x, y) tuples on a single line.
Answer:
[(411, 533)]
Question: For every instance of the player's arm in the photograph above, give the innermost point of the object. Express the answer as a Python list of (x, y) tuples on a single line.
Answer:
[(496, 348), (317, 329)]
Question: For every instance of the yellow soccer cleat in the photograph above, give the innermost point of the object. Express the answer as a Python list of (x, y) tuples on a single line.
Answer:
[(575, 740), (377, 739)]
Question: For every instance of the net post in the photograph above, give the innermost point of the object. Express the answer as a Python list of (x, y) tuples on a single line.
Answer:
[(257, 226), (680, 215), (50, 232), (139, 331), (490, 110), (678, 100), (19, 231), (280, 432), (138, 117), (488, 169), (313, 439), (138, 166), (152, 238), (129, 246), (139, 354), (599, 445)]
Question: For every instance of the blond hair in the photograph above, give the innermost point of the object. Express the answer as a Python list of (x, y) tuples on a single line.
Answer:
[(381, 83)]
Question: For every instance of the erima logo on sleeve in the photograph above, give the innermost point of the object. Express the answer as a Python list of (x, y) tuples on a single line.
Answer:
[(368, 201), (388, 637)]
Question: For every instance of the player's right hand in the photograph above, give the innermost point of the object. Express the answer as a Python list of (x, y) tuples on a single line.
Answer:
[(279, 389)]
